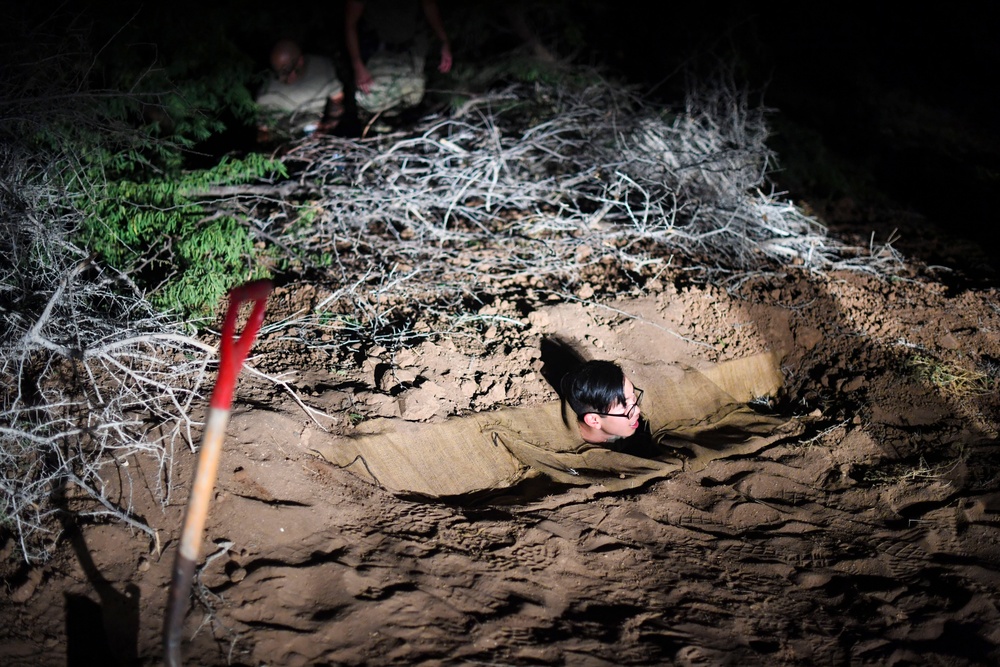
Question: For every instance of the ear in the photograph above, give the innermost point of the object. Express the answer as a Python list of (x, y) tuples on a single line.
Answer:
[(592, 420)]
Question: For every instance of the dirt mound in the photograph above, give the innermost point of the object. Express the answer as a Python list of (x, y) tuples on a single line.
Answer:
[(870, 539)]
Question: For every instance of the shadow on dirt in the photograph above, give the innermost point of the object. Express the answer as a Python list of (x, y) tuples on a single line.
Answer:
[(104, 631)]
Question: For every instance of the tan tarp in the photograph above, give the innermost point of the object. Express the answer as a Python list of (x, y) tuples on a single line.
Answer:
[(703, 412)]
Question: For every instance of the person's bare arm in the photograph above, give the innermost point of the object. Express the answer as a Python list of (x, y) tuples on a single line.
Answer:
[(353, 9), (433, 14)]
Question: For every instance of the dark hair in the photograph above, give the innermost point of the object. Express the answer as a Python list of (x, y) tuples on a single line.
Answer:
[(594, 387)]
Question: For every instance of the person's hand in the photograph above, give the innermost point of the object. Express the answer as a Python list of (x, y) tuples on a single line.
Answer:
[(332, 113), (445, 65), (363, 78)]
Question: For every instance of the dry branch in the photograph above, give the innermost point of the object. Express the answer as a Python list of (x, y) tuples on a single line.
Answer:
[(545, 184), (543, 188), (93, 376)]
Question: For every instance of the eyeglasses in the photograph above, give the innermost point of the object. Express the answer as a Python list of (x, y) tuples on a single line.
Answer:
[(630, 413)]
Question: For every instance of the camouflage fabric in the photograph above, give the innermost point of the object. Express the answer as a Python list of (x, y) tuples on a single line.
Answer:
[(397, 83)]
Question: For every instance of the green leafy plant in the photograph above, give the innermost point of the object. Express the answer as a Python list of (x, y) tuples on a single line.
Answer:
[(116, 111), (161, 230)]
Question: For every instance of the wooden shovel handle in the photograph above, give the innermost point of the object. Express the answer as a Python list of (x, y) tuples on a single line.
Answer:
[(232, 353)]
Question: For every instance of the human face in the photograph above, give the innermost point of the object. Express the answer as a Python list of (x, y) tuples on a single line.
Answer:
[(622, 420), (289, 69)]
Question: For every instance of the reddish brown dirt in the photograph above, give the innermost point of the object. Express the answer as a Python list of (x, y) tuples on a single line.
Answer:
[(873, 539)]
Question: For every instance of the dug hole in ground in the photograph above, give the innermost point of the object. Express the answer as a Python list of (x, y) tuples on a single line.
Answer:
[(869, 538), (873, 538)]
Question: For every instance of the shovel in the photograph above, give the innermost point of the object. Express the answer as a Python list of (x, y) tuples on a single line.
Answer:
[(231, 356)]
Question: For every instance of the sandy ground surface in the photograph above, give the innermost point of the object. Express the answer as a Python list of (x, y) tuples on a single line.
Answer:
[(871, 539)]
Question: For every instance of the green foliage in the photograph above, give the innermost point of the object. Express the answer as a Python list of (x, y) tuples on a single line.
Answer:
[(162, 227), (184, 78), (215, 258), (114, 107)]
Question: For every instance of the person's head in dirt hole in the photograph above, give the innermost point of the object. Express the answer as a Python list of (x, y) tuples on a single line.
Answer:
[(606, 402)]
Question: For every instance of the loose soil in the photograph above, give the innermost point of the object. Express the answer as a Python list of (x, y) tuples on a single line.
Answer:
[(870, 539)]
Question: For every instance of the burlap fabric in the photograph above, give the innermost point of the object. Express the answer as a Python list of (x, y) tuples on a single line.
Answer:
[(703, 413)]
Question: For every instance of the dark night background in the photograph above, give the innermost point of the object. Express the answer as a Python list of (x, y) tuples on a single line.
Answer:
[(883, 114)]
